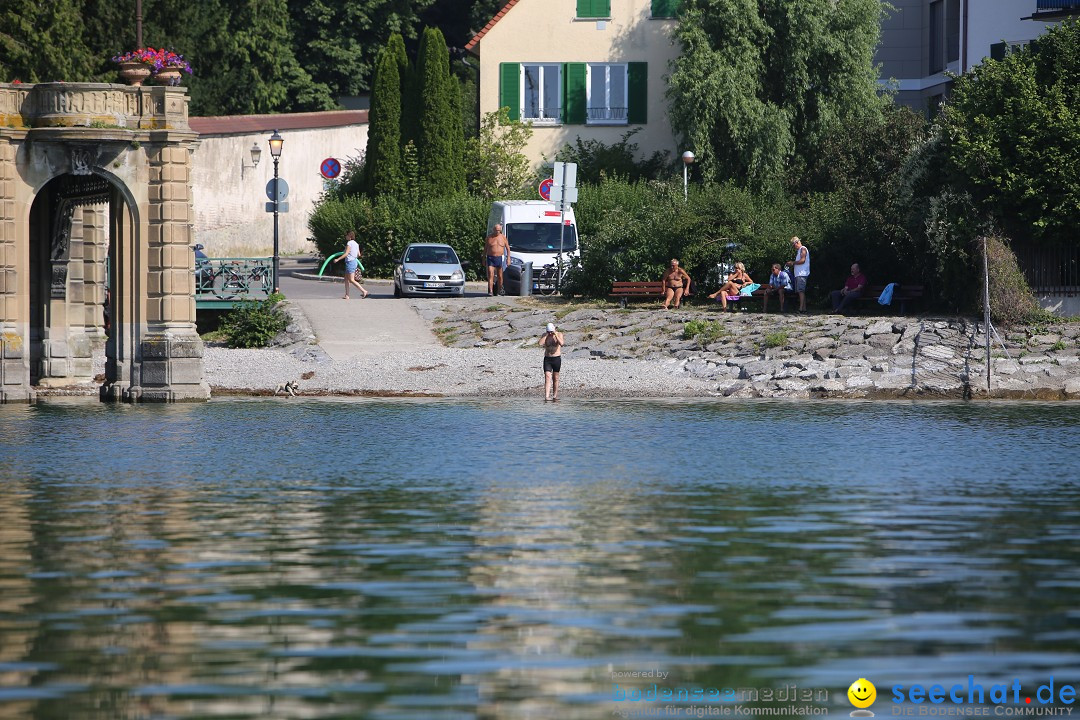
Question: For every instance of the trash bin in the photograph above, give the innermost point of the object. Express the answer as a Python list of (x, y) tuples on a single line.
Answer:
[(526, 279)]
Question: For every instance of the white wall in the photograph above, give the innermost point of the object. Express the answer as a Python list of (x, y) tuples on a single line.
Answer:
[(992, 21), (230, 215)]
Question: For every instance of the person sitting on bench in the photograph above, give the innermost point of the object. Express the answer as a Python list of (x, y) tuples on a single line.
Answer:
[(779, 282), (734, 284), (851, 291)]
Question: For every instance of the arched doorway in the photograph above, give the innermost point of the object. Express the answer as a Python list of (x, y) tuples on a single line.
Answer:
[(95, 200), (69, 279)]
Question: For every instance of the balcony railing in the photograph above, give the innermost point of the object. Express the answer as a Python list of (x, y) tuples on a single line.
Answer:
[(547, 116), (607, 114), (1056, 4)]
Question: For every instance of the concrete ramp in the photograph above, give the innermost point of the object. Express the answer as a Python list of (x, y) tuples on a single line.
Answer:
[(356, 328)]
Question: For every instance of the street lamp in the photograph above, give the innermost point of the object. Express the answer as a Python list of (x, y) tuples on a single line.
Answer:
[(276, 141), (687, 158), (256, 155)]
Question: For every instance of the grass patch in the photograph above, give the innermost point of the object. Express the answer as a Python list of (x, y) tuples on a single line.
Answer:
[(215, 336), (706, 331), (776, 339), (1059, 345), (493, 308)]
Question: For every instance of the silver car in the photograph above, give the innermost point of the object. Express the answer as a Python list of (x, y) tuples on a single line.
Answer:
[(429, 269)]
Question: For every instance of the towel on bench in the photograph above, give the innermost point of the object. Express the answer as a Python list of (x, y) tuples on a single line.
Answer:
[(885, 298)]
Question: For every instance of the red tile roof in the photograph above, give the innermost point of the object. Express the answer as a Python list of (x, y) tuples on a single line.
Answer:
[(471, 45), (246, 124)]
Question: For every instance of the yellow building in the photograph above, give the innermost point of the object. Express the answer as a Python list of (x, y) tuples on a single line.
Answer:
[(589, 69)]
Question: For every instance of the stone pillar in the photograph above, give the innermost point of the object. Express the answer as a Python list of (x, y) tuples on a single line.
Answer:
[(14, 327), (171, 365), (80, 360), (120, 376), (66, 349), (95, 250)]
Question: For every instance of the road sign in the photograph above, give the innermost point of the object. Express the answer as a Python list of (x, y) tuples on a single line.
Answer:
[(278, 192), (565, 174), (330, 168), (545, 189), (282, 207)]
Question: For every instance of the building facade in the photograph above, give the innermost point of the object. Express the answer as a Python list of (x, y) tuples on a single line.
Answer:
[(588, 69), (922, 40)]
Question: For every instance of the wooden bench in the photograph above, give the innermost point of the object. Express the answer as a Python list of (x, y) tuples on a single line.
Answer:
[(634, 289), (902, 294)]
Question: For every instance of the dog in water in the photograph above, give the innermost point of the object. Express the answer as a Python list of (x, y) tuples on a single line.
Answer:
[(289, 387)]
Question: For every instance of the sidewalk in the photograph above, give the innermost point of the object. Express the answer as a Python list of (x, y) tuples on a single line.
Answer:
[(363, 328)]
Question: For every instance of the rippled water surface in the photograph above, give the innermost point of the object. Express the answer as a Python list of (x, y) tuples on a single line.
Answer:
[(506, 559)]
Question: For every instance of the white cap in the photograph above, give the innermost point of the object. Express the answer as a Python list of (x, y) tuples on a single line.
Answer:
[(551, 327)]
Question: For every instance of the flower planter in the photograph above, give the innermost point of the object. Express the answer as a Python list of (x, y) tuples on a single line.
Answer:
[(135, 73), (167, 76)]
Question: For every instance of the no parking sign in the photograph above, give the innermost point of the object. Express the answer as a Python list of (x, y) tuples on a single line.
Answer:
[(330, 168)]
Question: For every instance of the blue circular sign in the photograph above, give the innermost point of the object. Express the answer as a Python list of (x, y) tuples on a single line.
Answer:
[(330, 168)]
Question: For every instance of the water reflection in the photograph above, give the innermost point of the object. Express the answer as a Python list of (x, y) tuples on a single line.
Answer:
[(500, 559)]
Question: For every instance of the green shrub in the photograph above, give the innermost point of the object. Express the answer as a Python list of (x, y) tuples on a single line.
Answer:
[(254, 325), (1011, 301), (386, 225), (631, 230)]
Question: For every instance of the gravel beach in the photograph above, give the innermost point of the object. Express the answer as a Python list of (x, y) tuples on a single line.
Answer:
[(486, 347)]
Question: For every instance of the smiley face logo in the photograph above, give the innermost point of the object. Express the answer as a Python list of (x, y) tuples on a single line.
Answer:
[(862, 693)]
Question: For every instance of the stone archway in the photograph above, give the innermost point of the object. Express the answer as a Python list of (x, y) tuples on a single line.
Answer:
[(88, 172)]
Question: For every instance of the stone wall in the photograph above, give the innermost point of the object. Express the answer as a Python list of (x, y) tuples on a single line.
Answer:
[(749, 354)]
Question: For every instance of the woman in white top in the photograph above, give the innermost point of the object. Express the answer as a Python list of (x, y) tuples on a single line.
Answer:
[(351, 256)]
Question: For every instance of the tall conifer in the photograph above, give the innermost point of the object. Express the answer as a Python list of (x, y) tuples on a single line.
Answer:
[(439, 173), (383, 156)]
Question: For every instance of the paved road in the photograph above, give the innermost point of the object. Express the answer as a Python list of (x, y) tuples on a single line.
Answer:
[(356, 328)]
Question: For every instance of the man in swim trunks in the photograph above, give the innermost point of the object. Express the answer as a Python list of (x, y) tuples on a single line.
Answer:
[(497, 250), (552, 342)]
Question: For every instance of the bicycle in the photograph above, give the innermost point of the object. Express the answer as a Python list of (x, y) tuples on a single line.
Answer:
[(233, 282), (547, 280), (260, 279)]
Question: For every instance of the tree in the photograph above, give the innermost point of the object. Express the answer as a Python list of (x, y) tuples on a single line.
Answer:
[(43, 42), (383, 156), (440, 170), (759, 83), (338, 41), (1012, 137), (494, 164)]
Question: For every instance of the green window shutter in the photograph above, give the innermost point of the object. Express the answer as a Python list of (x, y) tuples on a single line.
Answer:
[(510, 88), (593, 8), (665, 8), (637, 101), (574, 94)]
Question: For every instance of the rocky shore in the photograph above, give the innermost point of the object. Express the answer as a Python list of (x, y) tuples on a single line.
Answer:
[(750, 354), (490, 350)]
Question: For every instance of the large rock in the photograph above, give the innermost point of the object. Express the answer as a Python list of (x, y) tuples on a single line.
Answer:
[(882, 327)]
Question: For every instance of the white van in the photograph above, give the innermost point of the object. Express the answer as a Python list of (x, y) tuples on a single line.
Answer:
[(532, 228)]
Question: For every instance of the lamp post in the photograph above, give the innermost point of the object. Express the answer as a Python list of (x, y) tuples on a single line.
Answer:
[(687, 158), (256, 154), (276, 141)]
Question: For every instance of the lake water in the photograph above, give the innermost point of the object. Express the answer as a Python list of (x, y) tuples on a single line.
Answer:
[(445, 559)]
